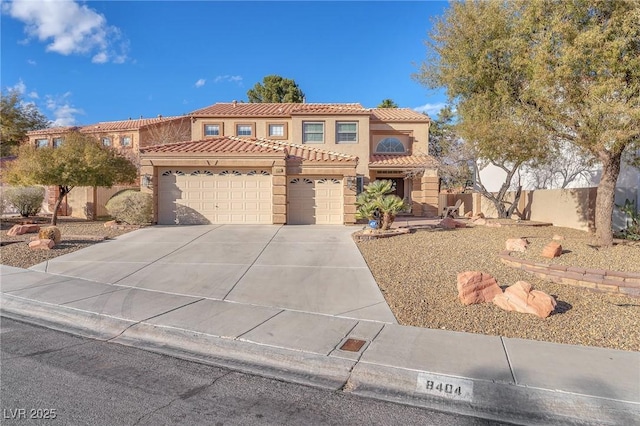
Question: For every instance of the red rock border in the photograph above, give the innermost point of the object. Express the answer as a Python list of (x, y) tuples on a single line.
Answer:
[(626, 283)]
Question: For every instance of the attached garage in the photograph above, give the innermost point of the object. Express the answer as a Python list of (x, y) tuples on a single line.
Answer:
[(231, 180), (315, 200), (217, 196)]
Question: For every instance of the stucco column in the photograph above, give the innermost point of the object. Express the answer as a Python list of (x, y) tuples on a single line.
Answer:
[(279, 172)]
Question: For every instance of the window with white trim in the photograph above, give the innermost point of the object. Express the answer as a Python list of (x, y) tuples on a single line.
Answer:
[(212, 130), (57, 142), (346, 132), (244, 130), (106, 141), (276, 130), (42, 143), (312, 132), (125, 141), (390, 145)]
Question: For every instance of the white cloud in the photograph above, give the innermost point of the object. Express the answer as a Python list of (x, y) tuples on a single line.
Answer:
[(19, 87), (31, 62), (63, 111), (432, 110), (229, 78), (70, 28), (33, 95), (200, 82)]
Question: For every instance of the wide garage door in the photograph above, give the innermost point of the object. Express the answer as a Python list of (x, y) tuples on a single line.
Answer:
[(208, 195), (315, 200)]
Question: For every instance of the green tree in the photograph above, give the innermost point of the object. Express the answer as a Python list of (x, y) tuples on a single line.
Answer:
[(387, 103), (16, 119), (478, 53), (377, 203), (585, 85), (80, 161), (275, 89), (528, 74)]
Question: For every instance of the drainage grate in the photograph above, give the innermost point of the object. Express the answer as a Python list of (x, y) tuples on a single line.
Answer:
[(353, 345)]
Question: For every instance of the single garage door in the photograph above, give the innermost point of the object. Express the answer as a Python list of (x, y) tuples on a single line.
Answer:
[(315, 200), (208, 195)]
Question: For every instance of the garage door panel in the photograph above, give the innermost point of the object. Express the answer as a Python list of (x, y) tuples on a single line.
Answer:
[(188, 195), (315, 200)]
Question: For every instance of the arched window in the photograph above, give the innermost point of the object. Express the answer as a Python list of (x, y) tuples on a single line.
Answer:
[(390, 145)]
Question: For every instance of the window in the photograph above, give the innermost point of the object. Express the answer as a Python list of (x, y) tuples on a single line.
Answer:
[(347, 132), (390, 145), (57, 142), (125, 141), (106, 141), (42, 143), (244, 130), (277, 130), (312, 132), (212, 130)]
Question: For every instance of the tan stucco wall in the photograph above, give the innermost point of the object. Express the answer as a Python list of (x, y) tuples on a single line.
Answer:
[(418, 134)]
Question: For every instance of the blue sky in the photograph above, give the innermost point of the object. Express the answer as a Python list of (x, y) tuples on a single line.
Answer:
[(83, 62)]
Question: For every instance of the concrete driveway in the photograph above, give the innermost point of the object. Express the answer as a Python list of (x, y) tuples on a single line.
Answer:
[(316, 269)]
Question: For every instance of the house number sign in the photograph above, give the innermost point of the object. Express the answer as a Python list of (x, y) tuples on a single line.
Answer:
[(445, 386)]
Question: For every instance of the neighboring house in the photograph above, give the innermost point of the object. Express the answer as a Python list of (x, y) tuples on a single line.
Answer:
[(292, 163), (127, 136)]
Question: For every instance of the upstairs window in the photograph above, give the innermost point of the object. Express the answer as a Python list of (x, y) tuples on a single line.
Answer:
[(347, 132), (125, 141), (212, 130), (312, 132), (57, 142), (244, 129), (390, 146), (42, 143), (276, 131), (106, 141)]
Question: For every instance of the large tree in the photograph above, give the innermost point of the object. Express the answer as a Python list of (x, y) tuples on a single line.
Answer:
[(17, 117), (80, 161), (529, 73), (475, 52), (275, 89), (387, 103)]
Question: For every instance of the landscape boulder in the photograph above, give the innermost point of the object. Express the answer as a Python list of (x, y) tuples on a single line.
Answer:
[(23, 229), (44, 244), (480, 221), (448, 223), (110, 224), (477, 216), (520, 297), (476, 287), (50, 233), (516, 244), (551, 250)]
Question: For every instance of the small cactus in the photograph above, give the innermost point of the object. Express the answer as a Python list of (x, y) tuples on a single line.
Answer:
[(50, 233)]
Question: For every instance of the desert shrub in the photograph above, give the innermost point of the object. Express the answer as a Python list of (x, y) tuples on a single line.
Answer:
[(132, 207), (3, 201), (26, 199), (632, 231), (50, 233)]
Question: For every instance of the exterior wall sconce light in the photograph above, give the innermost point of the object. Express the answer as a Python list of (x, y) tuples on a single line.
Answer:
[(147, 180), (351, 182)]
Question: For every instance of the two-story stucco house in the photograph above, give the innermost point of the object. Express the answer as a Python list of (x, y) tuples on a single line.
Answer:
[(276, 163)]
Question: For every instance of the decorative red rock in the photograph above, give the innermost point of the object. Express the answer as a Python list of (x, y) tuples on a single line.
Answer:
[(23, 229), (521, 298), (551, 250), (41, 244), (110, 224), (480, 222), (449, 223), (477, 287), (516, 244)]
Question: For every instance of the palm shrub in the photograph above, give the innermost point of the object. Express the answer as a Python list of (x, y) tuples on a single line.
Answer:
[(26, 199), (132, 207), (377, 203)]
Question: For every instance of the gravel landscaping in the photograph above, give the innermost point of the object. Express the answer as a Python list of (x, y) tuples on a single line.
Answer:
[(417, 275)]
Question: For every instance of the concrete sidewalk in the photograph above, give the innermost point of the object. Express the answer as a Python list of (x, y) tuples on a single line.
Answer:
[(270, 318)]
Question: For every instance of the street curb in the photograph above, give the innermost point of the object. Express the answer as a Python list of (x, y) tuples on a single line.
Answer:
[(268, 361), (492, 400), (500, 401), (62, 318)]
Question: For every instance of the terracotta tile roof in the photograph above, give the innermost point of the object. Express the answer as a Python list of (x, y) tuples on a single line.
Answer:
[(397, 114), (275, 109), (106, 126), (402, 161), (231, 144)]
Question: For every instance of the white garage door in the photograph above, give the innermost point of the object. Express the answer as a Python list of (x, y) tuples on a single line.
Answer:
[(221, 196), (315, 200)]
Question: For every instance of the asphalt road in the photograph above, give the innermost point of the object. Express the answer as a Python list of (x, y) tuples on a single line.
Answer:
[(49, 377)]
